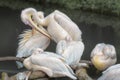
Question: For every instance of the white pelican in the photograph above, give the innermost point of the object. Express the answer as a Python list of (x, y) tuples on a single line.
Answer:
[(31, 39), (50, 63), (103, 56), (60, 26), (112, 73), (71, 51)]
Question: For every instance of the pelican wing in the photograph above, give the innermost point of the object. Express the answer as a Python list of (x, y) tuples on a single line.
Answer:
[(114, 67), (53, 63), (61, 46), (45, 69), (112, 73), (71, 51), (29, 42), (55, 55), (47, 61)]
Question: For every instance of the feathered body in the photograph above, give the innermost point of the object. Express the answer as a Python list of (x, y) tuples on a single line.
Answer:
[(50, 63), (103, 56), (112, 73), (71, 51), (29, 41)]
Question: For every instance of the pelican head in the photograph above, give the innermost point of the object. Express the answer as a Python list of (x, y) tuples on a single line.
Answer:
[(103, 56), (26, 15), (30, 17)]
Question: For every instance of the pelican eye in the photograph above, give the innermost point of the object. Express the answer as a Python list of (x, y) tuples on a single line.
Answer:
[(32, 17)]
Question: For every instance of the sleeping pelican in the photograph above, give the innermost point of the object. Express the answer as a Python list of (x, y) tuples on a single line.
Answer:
[(103, 56), (112, 73), (50, 63), (60, 26), (31, 39), (71, 51)]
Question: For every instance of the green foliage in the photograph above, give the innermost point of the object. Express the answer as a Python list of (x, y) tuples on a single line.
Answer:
[(101, 6), (72, 9), (18, 4), (71, 4), (110, 6)]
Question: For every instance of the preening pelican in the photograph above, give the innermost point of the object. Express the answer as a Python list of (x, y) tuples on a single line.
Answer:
[(30, 39), (112, 73), (103, 56), (50, 63), (30, 17), (60, 26), (71, 51)]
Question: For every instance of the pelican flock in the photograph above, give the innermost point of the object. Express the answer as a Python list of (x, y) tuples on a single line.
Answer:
[(69, 49)]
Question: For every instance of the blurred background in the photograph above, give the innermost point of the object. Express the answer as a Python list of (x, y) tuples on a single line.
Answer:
[(99, 21)]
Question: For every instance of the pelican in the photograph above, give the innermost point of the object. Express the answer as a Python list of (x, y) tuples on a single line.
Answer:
[(112, 73), (31, 38), (50, 63), (103, 56), (71, 51), (60, 26)]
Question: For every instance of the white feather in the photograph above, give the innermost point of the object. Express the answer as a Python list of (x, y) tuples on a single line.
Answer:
[(71, 51), (60, 26), (50, 64), (112, 73), (29, 42), (106, 56)]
